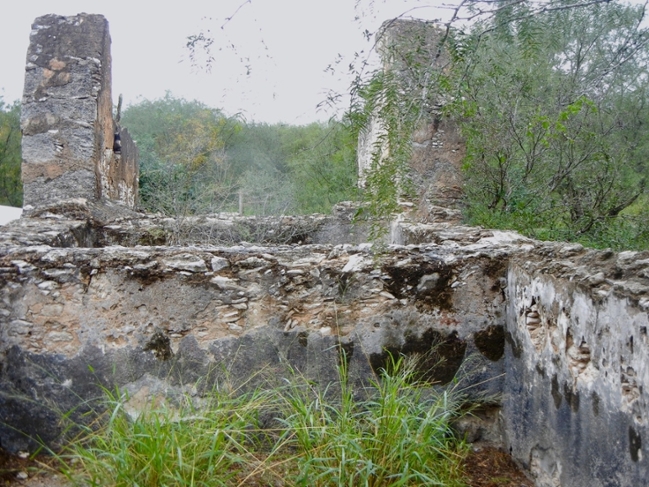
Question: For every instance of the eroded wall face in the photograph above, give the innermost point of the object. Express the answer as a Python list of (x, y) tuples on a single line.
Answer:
[(554, 334), (165, 321), (67, 122), (575, 398)]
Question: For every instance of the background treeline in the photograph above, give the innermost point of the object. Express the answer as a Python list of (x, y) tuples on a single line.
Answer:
[(194, 159), (11, 189)]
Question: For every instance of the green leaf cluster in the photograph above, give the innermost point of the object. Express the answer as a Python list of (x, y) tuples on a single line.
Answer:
[(11, 191), (183, 168), (389, 105), (296, 169), (399, 436), (552, 109)]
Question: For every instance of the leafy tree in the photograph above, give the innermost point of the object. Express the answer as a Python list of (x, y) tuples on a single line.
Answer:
[(550, 96), (183, 168), (11, 192), (554, 119), (194, 159), (553, 124), (323, 167)]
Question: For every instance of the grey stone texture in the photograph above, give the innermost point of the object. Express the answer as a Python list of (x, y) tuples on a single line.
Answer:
[(549, 337), (575, 399), (67, 122)]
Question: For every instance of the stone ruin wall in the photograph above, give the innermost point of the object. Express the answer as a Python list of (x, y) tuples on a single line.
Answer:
[(67, 121), (550, 337), (554, 335), (577, 368)]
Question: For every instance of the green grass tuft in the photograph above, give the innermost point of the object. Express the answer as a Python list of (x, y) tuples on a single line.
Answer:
[(396, 434)]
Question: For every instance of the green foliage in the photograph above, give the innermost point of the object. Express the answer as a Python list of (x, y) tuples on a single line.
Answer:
[(323, 167), (183, 168), (551, 111), (390, 104), (387, 178), (265, 191), (11, 191), (398, 435), (551, 99), (164, 445), (194, 160), (303, 169)]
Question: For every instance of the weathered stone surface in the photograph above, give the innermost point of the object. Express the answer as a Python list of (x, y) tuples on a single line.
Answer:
[(575, 404), (85, 224), (123, 173), (437, 148), (75, 318), (553, 333), (67, 122)]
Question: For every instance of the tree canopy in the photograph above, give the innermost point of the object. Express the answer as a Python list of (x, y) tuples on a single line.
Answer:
[(195, 159), (550, 98), (553, 111), (11, 193)]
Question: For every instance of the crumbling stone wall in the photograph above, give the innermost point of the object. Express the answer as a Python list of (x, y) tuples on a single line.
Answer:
[(172, 320), (575, 403), (67, 122), (550, 337), (574, 400)]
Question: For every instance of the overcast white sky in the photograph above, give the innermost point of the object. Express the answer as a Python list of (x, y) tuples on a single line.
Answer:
[(286, 43)]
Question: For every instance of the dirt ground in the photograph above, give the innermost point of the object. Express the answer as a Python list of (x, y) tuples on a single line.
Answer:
[(491, 467), (26, 472), (485, 466)]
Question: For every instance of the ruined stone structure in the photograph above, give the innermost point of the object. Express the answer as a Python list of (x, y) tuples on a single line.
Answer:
[(404, 46), (550, 338), (69, 135)]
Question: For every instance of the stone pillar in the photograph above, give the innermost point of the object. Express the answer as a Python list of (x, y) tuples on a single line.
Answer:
[(412, 52), (69, 137)]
